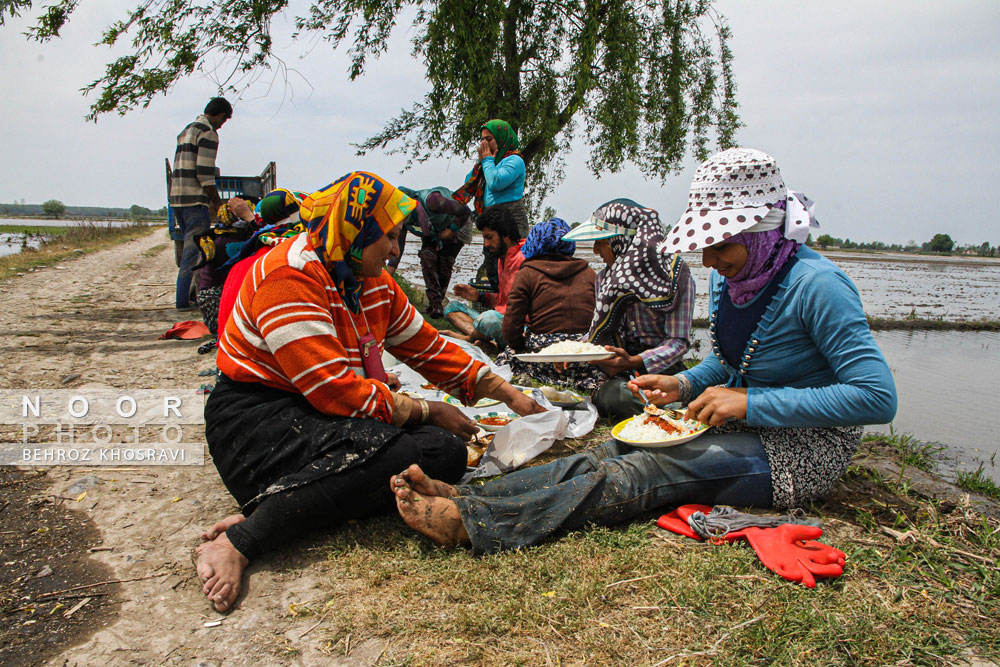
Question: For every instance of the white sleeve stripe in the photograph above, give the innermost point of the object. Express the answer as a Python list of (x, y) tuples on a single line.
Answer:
[(289, 333), (325, 316), (338, 360), (430, 355), (406, 334), (289, 304)]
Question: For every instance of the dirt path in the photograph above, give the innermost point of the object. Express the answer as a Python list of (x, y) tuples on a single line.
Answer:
[(99, 318)]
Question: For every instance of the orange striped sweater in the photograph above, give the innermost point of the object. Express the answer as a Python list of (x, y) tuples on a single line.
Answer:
[(290, 330)]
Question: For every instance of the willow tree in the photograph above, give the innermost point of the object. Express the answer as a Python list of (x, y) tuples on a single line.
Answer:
[(641, 81)]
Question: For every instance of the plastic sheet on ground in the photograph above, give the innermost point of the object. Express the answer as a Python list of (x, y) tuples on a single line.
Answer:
[(522, 439)]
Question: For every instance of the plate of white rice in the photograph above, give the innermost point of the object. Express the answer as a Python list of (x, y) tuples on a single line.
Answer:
[(567, 350), (645, 430)]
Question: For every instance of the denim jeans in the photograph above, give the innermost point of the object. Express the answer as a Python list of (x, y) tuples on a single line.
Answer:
[(611, 483), (193, 221)]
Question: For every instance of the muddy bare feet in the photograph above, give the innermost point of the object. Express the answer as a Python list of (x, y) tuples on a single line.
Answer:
[(418, 480), (435, 517), (220, 566), (220, 528)]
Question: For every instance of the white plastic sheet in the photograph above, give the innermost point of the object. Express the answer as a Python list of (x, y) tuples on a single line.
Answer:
[(522, 439)]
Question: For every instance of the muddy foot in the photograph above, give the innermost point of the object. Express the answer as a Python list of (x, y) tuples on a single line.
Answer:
[(220, 528), (418, 480), (220, 566), (433, 516)]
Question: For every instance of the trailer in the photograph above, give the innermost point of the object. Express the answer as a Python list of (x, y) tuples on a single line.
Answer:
[(247, 187)]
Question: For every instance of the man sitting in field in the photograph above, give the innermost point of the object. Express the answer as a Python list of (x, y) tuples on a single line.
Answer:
[(501, 237)]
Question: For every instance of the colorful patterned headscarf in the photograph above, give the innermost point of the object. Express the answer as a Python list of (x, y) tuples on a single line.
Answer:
[(278, 205), (546, 238), (347, 216), (641, 273), (507, 144)]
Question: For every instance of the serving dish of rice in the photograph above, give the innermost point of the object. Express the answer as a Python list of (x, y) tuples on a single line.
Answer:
[(652, 430), (567, 350)]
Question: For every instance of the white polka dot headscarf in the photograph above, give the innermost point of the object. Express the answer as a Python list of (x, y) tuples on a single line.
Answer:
[(739, 190), (641, 272)]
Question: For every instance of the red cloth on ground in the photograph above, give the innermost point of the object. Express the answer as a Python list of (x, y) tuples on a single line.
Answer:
[(231, 288), (187, 330)]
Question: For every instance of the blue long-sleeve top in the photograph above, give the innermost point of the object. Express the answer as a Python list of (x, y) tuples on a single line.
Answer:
[(504, 179), (812, 361)]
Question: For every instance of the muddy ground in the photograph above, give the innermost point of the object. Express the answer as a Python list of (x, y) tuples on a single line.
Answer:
[(94, 323)]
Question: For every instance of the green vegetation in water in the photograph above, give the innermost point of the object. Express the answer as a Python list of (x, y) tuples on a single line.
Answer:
[(62, 243), (977, 481), (911, 452)]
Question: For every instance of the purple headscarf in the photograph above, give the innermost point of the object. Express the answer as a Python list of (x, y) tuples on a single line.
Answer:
[(767, 252)]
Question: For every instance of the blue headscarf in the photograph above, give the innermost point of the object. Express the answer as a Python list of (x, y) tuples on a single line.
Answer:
[(545, 238)]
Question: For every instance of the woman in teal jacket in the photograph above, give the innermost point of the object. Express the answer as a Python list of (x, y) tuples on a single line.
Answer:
[(800, 371), (497, 179)]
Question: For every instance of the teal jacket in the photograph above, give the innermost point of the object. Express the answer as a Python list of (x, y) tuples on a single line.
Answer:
[(812, 360), (504, 180)]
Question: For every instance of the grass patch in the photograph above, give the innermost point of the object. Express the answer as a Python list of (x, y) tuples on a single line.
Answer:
[(911, 452), (977, 481), (635, 595), (67, 242)]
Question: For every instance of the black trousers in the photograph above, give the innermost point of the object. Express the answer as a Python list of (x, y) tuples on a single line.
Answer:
[(294, 469)]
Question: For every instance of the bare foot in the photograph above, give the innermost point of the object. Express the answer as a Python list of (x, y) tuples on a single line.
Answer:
[(435, 517), (418, 480), (220, 566), (220, 528), (448, 333)]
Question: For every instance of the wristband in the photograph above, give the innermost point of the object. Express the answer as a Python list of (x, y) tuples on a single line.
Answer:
[(425, 411), (683, 388)]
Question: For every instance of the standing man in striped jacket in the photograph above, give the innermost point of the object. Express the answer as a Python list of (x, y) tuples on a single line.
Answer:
[(193, 194)]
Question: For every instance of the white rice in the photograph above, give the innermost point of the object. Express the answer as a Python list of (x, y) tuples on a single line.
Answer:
[(572, 347), (638, 430)]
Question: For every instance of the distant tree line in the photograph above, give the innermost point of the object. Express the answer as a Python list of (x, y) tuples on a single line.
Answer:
[(939, 243), (54, 208)]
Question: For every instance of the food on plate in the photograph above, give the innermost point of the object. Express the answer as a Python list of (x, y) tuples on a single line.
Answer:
[(557, 396), (495, 421), (572, 347), (411, 394), (657, 428), (428, 385)]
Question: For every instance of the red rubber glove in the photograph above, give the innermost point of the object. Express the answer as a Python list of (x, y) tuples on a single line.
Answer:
[(781, 549), (675, 524)]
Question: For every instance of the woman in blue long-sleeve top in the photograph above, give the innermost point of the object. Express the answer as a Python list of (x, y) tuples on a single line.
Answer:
[(497, 179), (793, 375)]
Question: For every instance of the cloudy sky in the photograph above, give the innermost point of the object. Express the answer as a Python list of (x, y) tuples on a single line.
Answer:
[(884, 113)]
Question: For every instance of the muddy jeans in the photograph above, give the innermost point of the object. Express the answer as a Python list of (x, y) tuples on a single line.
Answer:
[(437, 265), (610, 484)]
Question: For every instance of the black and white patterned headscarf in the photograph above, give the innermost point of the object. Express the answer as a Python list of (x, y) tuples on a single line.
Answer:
[(640, 273)]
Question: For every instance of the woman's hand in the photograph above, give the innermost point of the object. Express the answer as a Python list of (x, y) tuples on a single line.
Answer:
[(451, 419), (659, 389), (622, 362), (717, 404), (466, 292), (241, 209), (484, 150), (523, 404), (392, 382)]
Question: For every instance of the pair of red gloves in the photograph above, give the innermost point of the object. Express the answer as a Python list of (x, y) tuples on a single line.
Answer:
[(790, 550)]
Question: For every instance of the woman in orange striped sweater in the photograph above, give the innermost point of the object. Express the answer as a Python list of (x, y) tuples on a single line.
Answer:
[(303, 425)]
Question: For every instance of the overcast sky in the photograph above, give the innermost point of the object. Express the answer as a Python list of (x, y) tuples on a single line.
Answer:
[(884, 113)]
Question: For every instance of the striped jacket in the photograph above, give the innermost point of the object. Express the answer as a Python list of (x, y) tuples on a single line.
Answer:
[(194, 164), (291, 330)]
